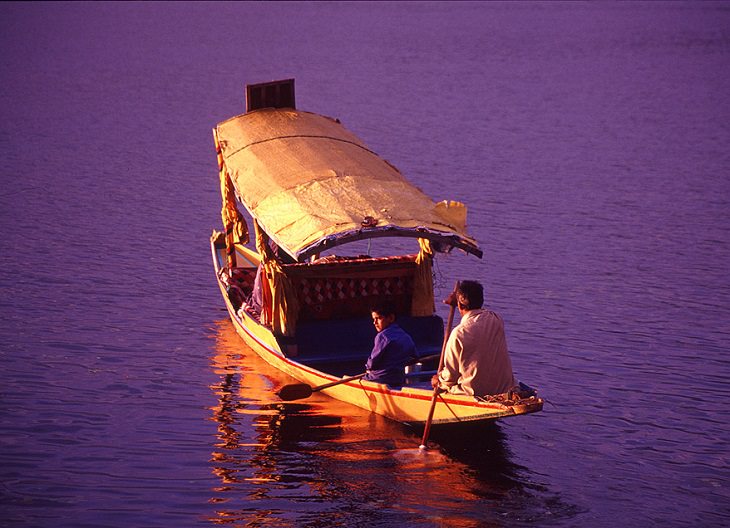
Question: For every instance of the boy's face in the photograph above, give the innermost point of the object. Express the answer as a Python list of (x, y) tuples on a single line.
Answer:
[(382, 322)]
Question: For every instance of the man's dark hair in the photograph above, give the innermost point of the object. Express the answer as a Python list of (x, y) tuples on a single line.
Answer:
[(470, 295), (384, 308)]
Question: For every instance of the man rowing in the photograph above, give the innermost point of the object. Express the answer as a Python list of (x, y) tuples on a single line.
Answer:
[(476, 360)]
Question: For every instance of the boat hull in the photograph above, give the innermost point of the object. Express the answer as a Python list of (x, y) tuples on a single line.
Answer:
[(408, 405)]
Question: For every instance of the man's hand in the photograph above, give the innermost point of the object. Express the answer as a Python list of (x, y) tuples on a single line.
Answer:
[(451, 300)]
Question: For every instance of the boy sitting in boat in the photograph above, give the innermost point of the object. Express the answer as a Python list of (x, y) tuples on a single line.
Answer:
[(392, 350)]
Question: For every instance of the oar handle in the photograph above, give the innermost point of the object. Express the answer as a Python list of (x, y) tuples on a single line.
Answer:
[(339, 381)]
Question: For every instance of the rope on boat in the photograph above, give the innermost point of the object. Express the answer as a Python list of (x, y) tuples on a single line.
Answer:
[(508, 399)]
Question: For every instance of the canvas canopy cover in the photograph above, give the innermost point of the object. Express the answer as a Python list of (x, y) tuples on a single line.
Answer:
[(311, 184)]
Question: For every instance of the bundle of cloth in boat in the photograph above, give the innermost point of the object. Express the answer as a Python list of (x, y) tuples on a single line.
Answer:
[(238, 283)]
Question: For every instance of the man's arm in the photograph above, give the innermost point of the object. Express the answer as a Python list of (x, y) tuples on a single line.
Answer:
[(449, 374)]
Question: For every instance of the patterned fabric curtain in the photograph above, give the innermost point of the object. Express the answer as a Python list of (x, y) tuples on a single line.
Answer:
[(280, 306)]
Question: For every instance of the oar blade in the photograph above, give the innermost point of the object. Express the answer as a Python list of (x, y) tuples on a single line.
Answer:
[(295, 391)]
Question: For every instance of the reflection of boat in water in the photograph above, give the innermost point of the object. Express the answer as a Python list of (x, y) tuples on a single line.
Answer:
[(492, 458), (311, 187), (258, 435)]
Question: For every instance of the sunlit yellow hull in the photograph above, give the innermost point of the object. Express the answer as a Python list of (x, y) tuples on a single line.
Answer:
[(407, 405)]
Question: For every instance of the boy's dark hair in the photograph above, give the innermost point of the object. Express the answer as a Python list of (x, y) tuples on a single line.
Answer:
[(384, 307), (470, 294)]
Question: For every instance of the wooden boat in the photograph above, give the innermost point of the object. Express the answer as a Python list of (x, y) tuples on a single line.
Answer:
[(313, 189)]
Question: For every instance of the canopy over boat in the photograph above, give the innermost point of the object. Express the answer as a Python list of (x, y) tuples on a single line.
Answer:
[(311, 185)]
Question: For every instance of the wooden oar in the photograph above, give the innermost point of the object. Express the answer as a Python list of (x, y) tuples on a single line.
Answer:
[(299, 391), (427, 428)]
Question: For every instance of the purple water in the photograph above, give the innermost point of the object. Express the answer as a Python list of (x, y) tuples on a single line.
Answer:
[(590, 142)]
